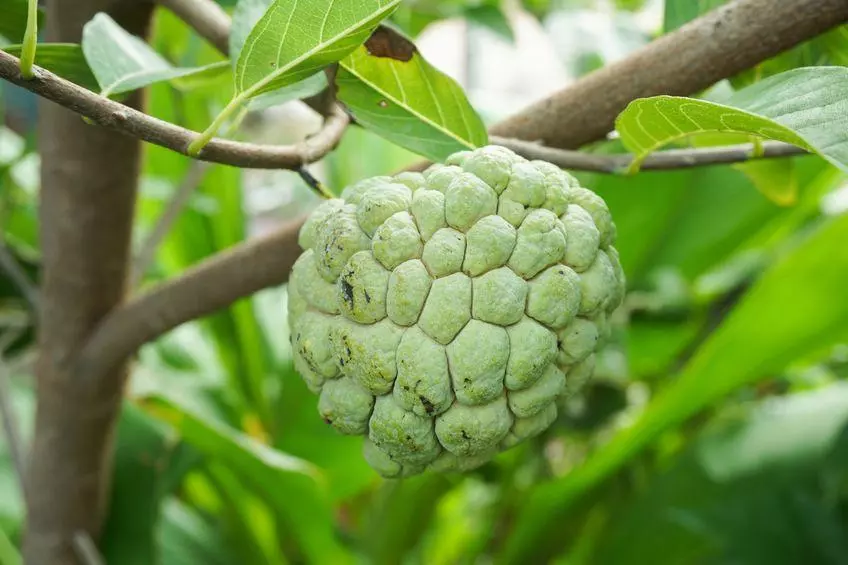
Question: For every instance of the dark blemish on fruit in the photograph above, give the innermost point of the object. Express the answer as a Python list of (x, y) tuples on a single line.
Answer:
[(465, 435), (386, 42), (347, 292), (328, 420), (367, 298), (428, 406)]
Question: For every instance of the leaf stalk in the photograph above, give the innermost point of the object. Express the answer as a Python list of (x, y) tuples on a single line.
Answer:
[(30, 41)]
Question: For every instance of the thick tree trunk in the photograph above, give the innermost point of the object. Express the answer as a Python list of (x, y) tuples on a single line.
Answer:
[(88, 188)]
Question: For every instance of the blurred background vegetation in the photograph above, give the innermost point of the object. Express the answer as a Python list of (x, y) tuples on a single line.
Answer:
[(715, 429)]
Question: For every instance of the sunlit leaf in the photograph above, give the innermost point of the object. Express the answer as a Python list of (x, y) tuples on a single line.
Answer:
[(391, 89), (835, 44), (244, 18), (295, 39), (122, 62), (8, 552), (630, 5), (64, 59), (13, 22), (805, 107), (756, 339), (776, 178)]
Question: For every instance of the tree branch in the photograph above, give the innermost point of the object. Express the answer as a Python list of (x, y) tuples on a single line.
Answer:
[(207, 18), (718, 45), (213, 284), (118, 117), (89, 179), (254, 265), (248, 155), (657, 161)]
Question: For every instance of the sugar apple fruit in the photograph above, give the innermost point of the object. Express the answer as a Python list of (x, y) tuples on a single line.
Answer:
[(442, 315)]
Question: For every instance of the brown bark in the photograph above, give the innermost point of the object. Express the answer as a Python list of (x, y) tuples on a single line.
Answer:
[(715, 46), (88, 186), (118, 117), (238, 272)]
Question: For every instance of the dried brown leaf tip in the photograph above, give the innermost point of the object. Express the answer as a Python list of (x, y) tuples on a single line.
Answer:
[(386, 42)]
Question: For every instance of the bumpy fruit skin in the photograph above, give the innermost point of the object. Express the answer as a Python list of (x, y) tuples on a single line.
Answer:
[(442, 315)]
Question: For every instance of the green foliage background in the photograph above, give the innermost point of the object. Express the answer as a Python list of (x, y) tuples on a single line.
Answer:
[(715, 431)]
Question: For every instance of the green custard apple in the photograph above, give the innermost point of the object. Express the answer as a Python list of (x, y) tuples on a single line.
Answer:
[(442, 315)]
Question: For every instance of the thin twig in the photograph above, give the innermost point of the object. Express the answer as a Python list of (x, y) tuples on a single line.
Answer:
[(117, 117), (660, 160), (147, 252), (86, 549), (18, 276), (10, 423)]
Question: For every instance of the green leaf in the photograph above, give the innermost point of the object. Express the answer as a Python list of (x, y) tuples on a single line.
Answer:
[(835, 44), (756, 339), (187, 539), (291, 42), (399, 516), (8, 553), (64, 59), (491, 17), (679, 12), (769, 502), (291, 485), (246, 517), (14, 20), (141, 455), (775, 178), (245, 17), (304, 433), (123, 63), (295, 39), (630, 5), (389, 88), (805, 107), (777, 433), (303, 89)]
